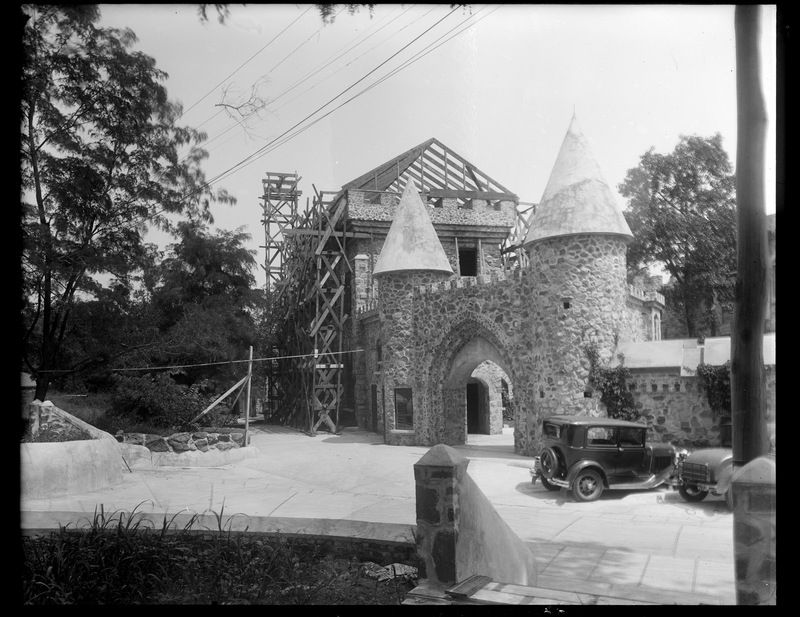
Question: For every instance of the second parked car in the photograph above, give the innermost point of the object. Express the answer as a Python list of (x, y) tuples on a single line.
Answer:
[(588, 455), (706, 471)]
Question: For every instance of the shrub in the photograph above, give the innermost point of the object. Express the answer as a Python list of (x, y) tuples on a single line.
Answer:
[(158, 401), (717, 384), (612, 383), (56, 433)]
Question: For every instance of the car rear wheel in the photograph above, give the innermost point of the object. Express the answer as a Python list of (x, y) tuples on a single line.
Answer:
[(548, 485), (588, 486), (549, 462), (692, 493)]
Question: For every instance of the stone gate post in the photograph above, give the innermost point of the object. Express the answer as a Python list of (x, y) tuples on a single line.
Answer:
[(754, 495), (438, 474)]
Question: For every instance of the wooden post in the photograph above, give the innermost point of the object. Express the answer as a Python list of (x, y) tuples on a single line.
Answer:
[(747, 329), (247, 402), (458, 259)]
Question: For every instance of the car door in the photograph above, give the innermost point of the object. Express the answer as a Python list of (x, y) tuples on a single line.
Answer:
[(630, 451), (601, 446)]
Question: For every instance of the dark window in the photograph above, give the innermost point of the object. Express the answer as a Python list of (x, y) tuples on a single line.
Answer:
[(552, 431), (468, 262), (631, 437), (403, 409), (587, 394), (566, 304), (601, 436)]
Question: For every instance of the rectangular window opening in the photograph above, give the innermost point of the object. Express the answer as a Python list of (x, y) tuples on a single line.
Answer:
[(403, 409), (468, 262)]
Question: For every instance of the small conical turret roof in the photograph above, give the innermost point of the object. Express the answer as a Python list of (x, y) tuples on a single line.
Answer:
[(412, 243), (577, 199)]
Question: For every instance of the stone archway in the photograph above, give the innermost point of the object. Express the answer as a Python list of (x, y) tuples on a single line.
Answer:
[(465, 346)]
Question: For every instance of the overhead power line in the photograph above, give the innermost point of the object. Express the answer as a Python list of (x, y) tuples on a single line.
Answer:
[(251, 158), (308, 76), (244, 63)]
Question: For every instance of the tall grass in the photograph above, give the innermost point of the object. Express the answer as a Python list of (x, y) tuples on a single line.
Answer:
[(123, 559)]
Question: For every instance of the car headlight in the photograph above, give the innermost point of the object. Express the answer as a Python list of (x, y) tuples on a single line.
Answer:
[(680, 455)]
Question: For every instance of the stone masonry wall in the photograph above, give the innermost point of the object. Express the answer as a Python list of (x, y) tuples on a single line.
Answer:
[(205, 440), (399, 348), (536, 324), (449, 315), (677, 411), (482, 213)]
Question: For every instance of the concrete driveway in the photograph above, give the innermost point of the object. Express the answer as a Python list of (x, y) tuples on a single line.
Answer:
[(354, 485)]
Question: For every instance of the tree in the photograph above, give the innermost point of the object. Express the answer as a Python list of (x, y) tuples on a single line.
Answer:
[(204, 300), (99, 152), (682, 212)]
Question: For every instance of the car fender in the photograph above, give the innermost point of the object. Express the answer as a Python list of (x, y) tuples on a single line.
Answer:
[(724, 480), (581, 465)]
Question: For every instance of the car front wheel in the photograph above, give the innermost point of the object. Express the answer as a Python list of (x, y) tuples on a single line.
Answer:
[(548, 485), (588, 486), (692, 493)]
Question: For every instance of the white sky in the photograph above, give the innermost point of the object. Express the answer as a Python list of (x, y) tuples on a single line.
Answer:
[(500, 93)]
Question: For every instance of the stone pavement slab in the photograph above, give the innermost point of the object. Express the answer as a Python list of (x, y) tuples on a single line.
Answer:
[(645, 541)]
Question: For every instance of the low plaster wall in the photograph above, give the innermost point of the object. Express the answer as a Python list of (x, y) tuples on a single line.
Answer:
[(51, 469), (486, 544), (61, 468)]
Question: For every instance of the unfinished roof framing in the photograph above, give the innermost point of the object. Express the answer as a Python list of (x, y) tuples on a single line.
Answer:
[(437, 171)]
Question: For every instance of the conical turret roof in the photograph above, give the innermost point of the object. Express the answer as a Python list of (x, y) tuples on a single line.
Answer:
[(412, 243), (577, 199)]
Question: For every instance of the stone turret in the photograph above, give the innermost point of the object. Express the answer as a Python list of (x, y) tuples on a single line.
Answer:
[(411, 256), (576, 242)]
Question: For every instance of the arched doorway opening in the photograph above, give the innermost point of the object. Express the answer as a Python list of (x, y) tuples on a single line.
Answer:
[(477, 407), (472, 393)]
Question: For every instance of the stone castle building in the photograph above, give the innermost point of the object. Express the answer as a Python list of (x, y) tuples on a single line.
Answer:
[(444, 314), (444, 326)]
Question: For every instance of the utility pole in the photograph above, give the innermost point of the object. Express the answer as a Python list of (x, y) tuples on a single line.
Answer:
[(748, 392)]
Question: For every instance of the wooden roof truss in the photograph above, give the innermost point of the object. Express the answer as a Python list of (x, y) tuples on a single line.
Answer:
[(436, 171)]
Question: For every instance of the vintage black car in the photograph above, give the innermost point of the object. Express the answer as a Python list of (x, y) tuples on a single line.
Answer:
[(588, 455), (706, 471)]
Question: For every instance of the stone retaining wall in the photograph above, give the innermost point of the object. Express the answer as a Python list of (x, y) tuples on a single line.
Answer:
[(205, 440)]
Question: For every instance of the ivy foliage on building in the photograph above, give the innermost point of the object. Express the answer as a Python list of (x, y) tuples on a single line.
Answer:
[(716, 382), (612, 383)]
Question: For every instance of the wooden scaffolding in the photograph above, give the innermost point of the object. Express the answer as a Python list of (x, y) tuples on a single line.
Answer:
[(306, 267)]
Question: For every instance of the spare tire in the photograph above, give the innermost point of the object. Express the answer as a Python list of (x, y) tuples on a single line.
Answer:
[(548, 460)]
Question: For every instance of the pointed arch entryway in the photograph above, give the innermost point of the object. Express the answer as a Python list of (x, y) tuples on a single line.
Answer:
[(466, 370)]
